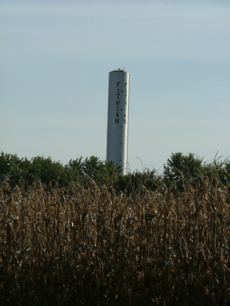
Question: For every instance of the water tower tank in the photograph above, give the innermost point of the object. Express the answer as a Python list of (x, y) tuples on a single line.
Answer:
[(118, 118)]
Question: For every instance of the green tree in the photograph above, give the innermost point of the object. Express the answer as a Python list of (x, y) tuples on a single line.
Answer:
[(180, 167), (98, 170), (12, 168)]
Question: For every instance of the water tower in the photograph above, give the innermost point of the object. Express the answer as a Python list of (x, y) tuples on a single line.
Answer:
[(118, 118)]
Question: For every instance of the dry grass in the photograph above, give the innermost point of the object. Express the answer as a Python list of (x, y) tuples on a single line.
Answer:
[(93, 247)]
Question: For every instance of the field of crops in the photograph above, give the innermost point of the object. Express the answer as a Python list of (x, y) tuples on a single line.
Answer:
[(94, 246)]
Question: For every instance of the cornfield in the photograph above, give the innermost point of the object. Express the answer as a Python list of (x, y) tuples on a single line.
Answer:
[(94, 246)]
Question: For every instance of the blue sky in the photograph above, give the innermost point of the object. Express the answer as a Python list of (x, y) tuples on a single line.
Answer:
[(55, 57)]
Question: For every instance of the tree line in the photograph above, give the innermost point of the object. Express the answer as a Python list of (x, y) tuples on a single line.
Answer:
[(178, 170)]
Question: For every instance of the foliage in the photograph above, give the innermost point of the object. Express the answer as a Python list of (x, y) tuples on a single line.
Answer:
[(14, 169), (180, 168), (99, 171), (138, 181), (177, 171)]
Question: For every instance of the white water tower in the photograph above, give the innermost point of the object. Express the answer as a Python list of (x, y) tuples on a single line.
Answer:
[(118, 118)]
